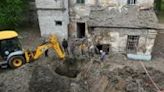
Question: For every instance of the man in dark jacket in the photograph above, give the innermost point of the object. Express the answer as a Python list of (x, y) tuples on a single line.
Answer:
[(65, 45)]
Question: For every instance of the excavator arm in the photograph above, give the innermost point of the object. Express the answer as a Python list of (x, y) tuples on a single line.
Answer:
[(40, 50)]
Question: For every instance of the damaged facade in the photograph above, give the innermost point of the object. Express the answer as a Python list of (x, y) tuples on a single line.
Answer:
[(126, 31), (125, 26), (53, 17)]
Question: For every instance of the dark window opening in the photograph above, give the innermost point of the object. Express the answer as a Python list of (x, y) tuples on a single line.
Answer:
[(104, 47), (58, 23), (131, 2), (80, 1), (9, 45), (80, 30), (132, 43)]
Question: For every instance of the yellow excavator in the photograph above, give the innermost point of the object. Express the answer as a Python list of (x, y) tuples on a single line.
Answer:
[(12, 54)]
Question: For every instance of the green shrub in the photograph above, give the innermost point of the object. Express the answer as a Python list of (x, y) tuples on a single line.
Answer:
[(12, 12)]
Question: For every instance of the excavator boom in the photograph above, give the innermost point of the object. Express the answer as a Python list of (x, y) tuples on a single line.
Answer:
[(40, 50), (14, 56)]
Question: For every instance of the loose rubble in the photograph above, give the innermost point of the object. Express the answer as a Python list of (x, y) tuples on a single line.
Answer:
[(82, 74)]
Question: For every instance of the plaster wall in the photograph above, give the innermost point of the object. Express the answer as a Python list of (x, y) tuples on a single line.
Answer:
[(117, 38), (50, 4), (48, 26)]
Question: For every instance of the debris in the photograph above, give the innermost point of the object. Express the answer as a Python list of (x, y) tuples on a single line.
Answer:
[(135, 80), (100, 84), (43, 80)]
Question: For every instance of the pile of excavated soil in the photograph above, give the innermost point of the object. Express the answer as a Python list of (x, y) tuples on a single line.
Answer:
[(129, 80), (108, 77), (44, 80), (58, 78), (89, 77)]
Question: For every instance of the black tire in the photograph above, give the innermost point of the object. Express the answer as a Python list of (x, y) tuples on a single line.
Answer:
[(16, 61)]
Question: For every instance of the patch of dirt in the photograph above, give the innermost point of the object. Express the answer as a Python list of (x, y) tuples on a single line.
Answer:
[(80, 74), (44, 80), (65, 71), (71, 67), (130, 80)]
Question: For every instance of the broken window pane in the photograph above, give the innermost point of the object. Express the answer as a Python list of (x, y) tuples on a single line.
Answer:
[(132, 43)]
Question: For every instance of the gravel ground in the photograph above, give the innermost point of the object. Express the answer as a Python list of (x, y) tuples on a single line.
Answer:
[(40, 76)]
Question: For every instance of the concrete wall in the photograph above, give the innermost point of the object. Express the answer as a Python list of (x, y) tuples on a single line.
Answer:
[(47, 24), (50, 3), (117, 38), (50, 11)]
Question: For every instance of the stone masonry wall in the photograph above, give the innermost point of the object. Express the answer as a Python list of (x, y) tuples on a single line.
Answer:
[(117, 38)]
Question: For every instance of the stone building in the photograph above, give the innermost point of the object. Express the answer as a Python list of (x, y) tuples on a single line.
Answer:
[(79, 11), (121, 26), (126, 31), (53, 17)]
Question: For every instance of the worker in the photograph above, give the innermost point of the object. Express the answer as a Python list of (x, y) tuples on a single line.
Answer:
[(65, 45), (103, 55), (82, 48)]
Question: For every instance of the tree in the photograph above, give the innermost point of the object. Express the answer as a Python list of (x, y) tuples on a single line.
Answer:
[(12, 12), (158, 4)]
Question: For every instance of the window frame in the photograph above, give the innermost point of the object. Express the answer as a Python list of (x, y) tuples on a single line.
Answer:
[(80, 1), (58, 23), (132, 43), (131, 2)]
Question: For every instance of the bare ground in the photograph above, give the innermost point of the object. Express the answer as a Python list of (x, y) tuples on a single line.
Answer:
[(116, 74)]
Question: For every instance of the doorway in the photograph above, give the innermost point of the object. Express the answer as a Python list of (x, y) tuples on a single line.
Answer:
[(80, 30), (104, 47)]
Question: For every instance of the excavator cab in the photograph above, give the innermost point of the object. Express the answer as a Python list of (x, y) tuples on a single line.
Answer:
[(9, 43), (14, 56)]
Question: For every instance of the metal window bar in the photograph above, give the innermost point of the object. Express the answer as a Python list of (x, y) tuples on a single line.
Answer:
[(132, 43)]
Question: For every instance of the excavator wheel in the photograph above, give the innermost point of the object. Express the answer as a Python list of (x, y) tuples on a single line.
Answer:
[(16, 61)]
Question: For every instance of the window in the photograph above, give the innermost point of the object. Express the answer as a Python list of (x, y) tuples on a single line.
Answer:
[(132, 43), (80, 1), (104, 47), (131, 2), (9, 45), (58, 23)]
